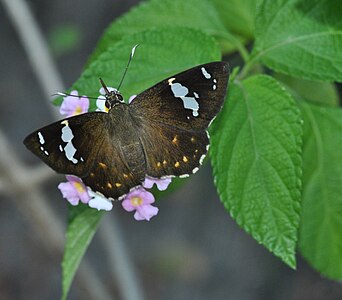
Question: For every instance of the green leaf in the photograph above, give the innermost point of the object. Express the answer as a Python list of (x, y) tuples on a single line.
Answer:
[(64, 38), (320, 239), (81, 229), (196, 14), (161, 53), (237, 16), (255, 153), (316, 92), (302, 38)]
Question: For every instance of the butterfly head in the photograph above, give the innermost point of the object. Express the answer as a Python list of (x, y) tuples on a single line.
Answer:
[(112, 97)]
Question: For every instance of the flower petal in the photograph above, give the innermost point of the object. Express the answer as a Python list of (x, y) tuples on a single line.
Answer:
[(146, 212), (68, 191), (99, 202), (101, 104), (73, 178), (131, 98), (140, 192), (127, 205), (140, 200), (74, 190), (74, 105), (162, 183)]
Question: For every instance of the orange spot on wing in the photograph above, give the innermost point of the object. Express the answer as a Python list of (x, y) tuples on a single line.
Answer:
[(175, 140)]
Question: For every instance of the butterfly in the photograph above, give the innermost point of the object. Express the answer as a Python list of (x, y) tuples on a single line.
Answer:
[(162, 132)]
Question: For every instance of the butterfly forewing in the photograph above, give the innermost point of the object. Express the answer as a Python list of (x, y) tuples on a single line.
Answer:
[(88, 147), (188, 100), (69, 146)]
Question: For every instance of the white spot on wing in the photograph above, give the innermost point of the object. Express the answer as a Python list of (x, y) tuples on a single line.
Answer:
[(67, 136), (211, 121), (171, 80), (184, 176), (70, 151), (180, 91), (201, 159), (205, 73), (195, 170), (42, 142), (41, 138)]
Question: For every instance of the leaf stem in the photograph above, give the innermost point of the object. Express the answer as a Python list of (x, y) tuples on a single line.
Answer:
[(235, 41), (248, 66)]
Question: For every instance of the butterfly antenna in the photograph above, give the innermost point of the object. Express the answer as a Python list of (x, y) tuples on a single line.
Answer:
[(128, 63), (104, 86), (66, 94)]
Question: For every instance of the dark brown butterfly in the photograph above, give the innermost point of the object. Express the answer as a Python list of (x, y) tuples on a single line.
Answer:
[(162, 132)]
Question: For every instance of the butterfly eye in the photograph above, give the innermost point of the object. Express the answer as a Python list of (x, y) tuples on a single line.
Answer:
[(107, 104), (119, 97)]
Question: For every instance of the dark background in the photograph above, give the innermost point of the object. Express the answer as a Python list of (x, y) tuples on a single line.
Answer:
[(191, 250)]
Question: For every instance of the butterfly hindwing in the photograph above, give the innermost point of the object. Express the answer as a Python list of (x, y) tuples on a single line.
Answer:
[(172, 151), (110, 175)]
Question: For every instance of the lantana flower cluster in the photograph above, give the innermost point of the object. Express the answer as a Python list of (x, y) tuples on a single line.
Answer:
[(75, 191)]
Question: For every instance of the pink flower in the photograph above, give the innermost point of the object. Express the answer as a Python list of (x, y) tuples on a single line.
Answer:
[(74, 190), (161, 183), (72, 106), (99, 202), (140, 200), (131, 98)]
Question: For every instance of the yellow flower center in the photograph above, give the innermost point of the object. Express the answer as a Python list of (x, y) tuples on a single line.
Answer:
[(78, 110), (136, 201), (79, 187)]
